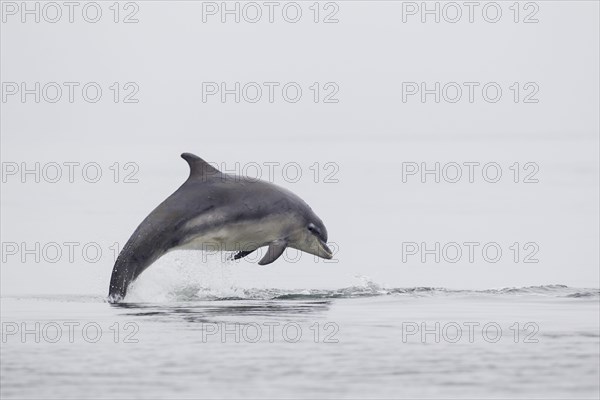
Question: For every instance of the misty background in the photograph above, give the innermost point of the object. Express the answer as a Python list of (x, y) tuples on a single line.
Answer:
[(366, 137)]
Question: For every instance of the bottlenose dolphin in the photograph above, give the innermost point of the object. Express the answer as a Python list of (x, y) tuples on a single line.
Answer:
[(212, 208)]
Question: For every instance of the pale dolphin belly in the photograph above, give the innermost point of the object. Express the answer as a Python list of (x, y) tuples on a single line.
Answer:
[(237, 236)]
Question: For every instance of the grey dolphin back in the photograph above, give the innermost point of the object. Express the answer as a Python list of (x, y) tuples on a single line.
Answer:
[(158, 232)]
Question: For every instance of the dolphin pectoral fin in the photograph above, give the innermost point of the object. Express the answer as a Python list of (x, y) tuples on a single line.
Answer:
[(274, 251), (242, 254)]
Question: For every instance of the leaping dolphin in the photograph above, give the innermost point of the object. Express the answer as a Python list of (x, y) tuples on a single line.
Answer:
[(217, 209)]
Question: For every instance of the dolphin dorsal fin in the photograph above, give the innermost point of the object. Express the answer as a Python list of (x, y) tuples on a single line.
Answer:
[(198, 167)]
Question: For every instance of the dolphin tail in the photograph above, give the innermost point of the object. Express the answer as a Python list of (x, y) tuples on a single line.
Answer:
[(129, 265)]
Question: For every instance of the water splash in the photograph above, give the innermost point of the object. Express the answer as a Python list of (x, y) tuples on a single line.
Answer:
[(187, 285)]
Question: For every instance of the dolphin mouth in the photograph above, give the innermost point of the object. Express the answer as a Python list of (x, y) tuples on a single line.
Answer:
[(324, 250)]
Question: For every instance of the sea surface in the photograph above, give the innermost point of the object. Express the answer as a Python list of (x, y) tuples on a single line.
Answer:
[(364, 341)]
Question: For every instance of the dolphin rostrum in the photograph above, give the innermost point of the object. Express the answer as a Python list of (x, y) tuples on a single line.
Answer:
[(223, 211)]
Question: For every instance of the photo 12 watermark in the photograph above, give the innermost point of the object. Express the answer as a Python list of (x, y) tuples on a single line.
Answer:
[(470, 172), (468, 332), (70, 12), (69, 332), (89, 92), (54, 252), (270, 92), (470, 252), (470, 12), (270, 12), (470, 92), (271, 332), (275, 172), (70, 172)]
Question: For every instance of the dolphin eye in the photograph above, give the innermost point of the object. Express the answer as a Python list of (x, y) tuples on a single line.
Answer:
[(312, 228)]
